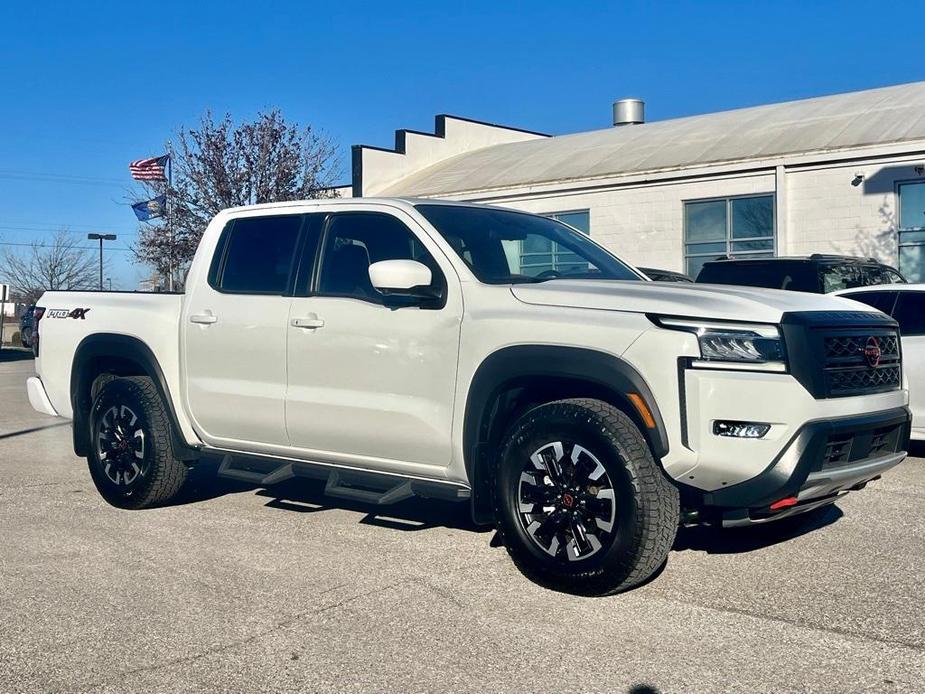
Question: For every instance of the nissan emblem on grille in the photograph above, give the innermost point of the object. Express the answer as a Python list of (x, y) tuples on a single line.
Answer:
[(872, 351)]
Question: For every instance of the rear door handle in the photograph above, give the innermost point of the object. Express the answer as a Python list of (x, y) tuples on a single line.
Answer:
[(311, 322), (203, 318)]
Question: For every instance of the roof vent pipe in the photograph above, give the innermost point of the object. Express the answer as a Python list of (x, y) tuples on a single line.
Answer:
[(629, 112)]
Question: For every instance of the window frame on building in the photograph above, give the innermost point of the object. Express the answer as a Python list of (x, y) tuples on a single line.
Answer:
[(909, 236), (729, 239)]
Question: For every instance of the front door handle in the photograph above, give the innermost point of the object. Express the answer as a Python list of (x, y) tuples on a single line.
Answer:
[(312, 322), (203, 318)]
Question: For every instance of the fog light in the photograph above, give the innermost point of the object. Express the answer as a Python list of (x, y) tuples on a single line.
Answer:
[(741, 430)]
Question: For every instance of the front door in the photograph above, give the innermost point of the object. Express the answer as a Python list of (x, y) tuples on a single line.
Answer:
[(235, 334), (372, 384)]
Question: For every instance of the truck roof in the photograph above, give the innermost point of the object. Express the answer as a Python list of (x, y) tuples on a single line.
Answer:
[(314, 202)]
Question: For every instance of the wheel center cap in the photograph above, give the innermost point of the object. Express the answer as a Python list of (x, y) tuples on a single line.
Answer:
[(568, 500)]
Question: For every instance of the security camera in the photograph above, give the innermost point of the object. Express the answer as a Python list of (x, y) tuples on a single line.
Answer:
[(858, 179)]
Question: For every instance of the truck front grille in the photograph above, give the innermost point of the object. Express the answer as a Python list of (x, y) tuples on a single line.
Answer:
[(842, 354), (862, 363)]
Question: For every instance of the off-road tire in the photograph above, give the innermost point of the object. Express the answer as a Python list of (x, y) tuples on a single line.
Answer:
[(162, 476), (646, 507)]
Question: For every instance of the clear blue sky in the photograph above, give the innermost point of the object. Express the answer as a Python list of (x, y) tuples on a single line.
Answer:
[(87, 87)]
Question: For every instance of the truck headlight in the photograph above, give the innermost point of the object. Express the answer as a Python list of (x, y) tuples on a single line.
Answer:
[(734, 345)]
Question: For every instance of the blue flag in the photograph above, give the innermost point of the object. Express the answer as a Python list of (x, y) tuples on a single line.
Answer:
[(149, 209)]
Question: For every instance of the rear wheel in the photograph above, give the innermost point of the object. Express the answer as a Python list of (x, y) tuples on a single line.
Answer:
[(580, 502), (131, 460)]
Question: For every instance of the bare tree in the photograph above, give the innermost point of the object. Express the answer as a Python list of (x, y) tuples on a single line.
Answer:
[(59, 264), (221, 164)]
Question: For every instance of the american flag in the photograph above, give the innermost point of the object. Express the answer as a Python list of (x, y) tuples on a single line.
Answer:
[(150, 169)]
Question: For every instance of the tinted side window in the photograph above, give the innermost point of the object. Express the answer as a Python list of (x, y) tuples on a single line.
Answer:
[(259, 254), (910, 313), (771, 276), (882, 301), (354, 241)]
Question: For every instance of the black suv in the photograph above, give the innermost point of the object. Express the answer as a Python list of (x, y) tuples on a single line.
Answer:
[(818, 273)]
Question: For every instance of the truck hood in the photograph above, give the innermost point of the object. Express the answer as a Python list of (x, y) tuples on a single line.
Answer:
[(713, 301)]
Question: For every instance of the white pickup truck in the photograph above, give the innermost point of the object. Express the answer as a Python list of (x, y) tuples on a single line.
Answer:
[(398, 347)]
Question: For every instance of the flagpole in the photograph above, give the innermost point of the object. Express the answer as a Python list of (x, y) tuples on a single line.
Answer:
[(170, 224)]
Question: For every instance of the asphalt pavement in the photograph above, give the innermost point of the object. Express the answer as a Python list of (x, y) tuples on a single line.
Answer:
[(243, 589)]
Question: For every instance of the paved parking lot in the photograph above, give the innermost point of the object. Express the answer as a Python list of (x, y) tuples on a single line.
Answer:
[(244, 589)]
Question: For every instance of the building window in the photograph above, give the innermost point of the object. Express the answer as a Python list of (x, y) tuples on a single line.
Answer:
[(734, 227), (538, 254), (912, 230)]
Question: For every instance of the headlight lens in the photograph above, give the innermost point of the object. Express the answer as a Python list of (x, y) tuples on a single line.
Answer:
[(744, 344)]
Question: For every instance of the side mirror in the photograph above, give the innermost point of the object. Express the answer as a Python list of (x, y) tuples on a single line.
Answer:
[(402, 278)]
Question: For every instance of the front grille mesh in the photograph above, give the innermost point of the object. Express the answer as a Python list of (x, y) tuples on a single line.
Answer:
[(852, 347), (849, 371), (860, 380)]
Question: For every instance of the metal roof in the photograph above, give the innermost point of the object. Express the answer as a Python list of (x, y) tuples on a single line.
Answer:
[(856, 119)]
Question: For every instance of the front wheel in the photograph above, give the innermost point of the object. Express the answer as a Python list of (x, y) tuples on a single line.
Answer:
[(131, 460), (581, 503)]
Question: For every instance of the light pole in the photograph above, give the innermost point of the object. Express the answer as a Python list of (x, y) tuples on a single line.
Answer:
[(101, 238)]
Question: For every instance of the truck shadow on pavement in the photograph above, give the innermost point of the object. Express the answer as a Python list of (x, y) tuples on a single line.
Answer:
[(303, 495), (713, 540), (306, 496)]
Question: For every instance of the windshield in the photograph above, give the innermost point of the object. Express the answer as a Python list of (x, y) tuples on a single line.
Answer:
[(502, 247)]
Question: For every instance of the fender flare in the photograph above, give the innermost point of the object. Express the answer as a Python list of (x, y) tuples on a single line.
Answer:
[(126, 348), (505, 367)]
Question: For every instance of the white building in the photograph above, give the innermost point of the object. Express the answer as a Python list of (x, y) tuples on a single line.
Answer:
[(837, 174)]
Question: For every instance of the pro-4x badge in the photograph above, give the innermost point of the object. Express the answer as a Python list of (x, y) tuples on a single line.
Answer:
[(77, 313)]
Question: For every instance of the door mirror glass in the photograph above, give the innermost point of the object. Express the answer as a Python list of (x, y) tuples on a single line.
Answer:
[(402, 278)]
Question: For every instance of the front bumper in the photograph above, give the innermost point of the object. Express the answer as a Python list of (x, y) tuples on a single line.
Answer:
[(822, 461)]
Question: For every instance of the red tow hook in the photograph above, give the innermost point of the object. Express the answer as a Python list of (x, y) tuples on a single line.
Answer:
[(784, 503)]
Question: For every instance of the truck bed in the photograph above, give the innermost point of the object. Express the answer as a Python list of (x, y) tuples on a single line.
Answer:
[(72, 316)]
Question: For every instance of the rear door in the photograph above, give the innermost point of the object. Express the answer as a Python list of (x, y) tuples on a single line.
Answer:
[(235, 334), (909, 312)]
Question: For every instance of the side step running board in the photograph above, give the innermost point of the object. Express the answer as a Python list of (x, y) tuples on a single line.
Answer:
[(354, 485), (339, 486)]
